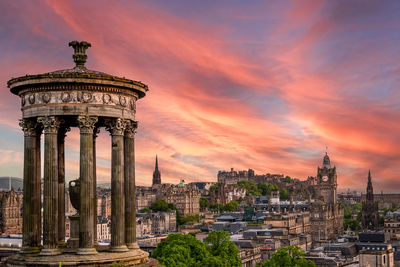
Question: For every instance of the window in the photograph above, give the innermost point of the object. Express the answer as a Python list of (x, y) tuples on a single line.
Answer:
[(384, 259)]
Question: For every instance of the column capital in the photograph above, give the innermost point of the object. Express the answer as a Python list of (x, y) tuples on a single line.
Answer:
[(29, 127), (50, 124), (86, 123), (130, 129), (115, 126)]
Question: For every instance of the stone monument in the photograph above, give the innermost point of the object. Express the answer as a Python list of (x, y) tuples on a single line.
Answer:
[(51, 103)]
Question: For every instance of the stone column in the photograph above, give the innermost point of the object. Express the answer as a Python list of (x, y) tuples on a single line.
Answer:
[(50, 198), (130, 188), (31, 223), (116, 127), (61, 185), (86, 172), (95, 132)]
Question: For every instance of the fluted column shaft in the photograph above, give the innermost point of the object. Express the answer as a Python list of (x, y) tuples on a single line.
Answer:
[(50, 200), (31, 223), (96, 131), (116, 127), (87, 194), (130, 188), (61, 185)]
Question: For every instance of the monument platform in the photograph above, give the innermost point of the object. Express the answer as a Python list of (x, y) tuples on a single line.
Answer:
[(137, 258)]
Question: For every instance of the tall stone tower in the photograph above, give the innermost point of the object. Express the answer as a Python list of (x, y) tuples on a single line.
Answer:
[(370, 217), (327, 181), (326, 214), (156, 174)]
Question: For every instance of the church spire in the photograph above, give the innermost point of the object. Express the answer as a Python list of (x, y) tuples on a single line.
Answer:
[(370, 189), (156, 174)]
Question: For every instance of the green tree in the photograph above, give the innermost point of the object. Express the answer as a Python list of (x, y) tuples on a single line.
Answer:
[(288, 179), (267, 188), (191, 218), (186, 251), (352, 223), (204, 203), (231, 206), (181, 250), (290, 256), (284, 194), (145, 210), (214, 187), (160, 205), (251, 187), (223, 248)]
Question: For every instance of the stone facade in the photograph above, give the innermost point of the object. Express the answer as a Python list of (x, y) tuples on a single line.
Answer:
[(223, 194), (186, 198), (145, 196), (326, 213), (11, 212), (155, 223)]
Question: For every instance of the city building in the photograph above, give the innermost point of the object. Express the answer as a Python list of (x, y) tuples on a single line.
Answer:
[(155, 223), (370, 215), (145, 196), (392, 226), (374, 251), (103, 229), (326, 213), (186, 198), (11, 212)]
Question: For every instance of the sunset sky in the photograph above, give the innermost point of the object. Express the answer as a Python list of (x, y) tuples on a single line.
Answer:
[(265, 85)]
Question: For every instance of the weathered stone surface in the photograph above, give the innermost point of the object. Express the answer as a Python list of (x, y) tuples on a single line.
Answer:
[(138, 258), (130, 188), (116, 127), (87, 99), (50, 205), (31, 199), (86, 226)]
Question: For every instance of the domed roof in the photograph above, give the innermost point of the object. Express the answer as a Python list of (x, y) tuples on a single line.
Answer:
[(77, 74), (327, 162)]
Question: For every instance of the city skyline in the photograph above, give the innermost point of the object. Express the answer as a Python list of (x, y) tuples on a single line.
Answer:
[(265, 86)]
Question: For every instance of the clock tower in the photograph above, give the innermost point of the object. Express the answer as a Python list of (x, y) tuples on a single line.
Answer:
[(327, 181)]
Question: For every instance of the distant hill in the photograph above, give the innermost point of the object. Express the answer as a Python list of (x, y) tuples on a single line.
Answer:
[(7, 182)]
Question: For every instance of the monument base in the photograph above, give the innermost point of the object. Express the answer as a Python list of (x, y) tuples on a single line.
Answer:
[(137, 258)]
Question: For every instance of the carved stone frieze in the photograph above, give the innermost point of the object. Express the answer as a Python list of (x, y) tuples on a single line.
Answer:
[(31, 99), (50, 124), (85, 97), (66, 97), (46, 97), (122, 100), (86, 124), (62, 97), (107, 98)]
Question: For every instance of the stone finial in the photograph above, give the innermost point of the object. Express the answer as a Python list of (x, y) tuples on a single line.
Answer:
[(79, 55)]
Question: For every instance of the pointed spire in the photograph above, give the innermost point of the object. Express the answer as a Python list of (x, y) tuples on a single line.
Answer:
[(370, 189), (156, 174)]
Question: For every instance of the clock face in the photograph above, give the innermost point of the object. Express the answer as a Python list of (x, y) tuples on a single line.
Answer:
[(325, 178)]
